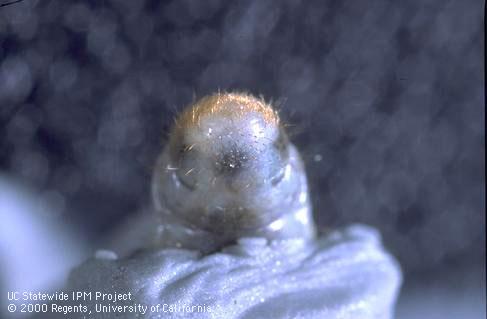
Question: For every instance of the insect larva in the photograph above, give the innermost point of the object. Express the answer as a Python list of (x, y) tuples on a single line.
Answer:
[(229, 171)]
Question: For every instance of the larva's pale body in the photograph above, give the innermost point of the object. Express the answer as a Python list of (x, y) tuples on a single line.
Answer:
[(229, 172)]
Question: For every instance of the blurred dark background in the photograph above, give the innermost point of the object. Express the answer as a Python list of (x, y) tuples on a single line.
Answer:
[(384, 99)]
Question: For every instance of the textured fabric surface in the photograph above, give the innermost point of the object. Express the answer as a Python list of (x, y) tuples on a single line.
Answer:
[(345, 275)]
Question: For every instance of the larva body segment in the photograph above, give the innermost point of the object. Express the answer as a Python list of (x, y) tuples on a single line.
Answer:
[(229, 171)]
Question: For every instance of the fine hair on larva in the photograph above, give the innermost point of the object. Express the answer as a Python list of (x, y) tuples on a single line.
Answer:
[(229, 171)]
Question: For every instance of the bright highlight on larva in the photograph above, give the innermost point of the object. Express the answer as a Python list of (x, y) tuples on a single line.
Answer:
[(229, 171)]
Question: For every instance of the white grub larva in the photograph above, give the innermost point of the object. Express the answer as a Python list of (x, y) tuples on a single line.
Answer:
[(227, 172)]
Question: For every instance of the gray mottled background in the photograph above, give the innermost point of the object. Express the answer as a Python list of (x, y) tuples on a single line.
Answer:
[(385, 99)]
